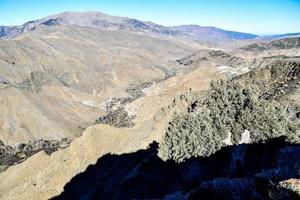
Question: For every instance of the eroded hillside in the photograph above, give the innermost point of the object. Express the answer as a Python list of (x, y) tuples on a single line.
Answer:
[(73, 71), (73, 90)]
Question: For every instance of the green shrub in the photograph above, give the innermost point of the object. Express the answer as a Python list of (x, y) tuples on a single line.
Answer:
[(228, 108)]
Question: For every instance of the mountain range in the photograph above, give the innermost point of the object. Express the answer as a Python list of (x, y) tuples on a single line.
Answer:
[(106, 22), (77, 87)]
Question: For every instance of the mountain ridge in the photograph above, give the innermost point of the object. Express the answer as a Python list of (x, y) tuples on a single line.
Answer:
[(212, 32), (103, 21), (76, 86), (100, 20)]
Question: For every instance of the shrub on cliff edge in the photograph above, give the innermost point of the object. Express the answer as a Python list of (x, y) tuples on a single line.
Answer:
[(228, 110)]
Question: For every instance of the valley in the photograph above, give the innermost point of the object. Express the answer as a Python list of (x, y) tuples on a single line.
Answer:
[(82, 93)]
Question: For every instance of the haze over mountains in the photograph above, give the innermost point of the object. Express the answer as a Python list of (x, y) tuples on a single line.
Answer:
[(111, 85)]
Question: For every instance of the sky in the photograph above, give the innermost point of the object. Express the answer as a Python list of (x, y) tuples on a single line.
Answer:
[(255, 16)]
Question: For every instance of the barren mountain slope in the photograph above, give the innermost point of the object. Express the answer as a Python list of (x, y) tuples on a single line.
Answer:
[(153, 111), (36, 175), (103, 21), (91, 19), (151, 114), (72, 70), (113, 81)]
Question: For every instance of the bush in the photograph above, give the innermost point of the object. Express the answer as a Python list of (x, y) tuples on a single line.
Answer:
[(228, 109)]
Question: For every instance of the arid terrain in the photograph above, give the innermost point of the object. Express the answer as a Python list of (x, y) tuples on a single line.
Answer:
[(77, 88)]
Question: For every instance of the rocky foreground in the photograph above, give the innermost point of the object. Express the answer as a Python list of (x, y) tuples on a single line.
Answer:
[(257, 171)]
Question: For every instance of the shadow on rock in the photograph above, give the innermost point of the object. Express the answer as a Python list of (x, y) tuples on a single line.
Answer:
[(236, 172)]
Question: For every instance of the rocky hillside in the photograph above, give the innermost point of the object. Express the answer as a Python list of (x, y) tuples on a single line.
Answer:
[(7, 31), (228, 174), (78, 67), (152, 112), (286, 43), (80, 89)]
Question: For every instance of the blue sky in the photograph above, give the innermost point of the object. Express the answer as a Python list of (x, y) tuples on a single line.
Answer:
[(255, 16)]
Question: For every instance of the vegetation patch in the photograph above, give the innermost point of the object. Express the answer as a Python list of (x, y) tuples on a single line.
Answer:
[(228, 112), (14, 155)]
